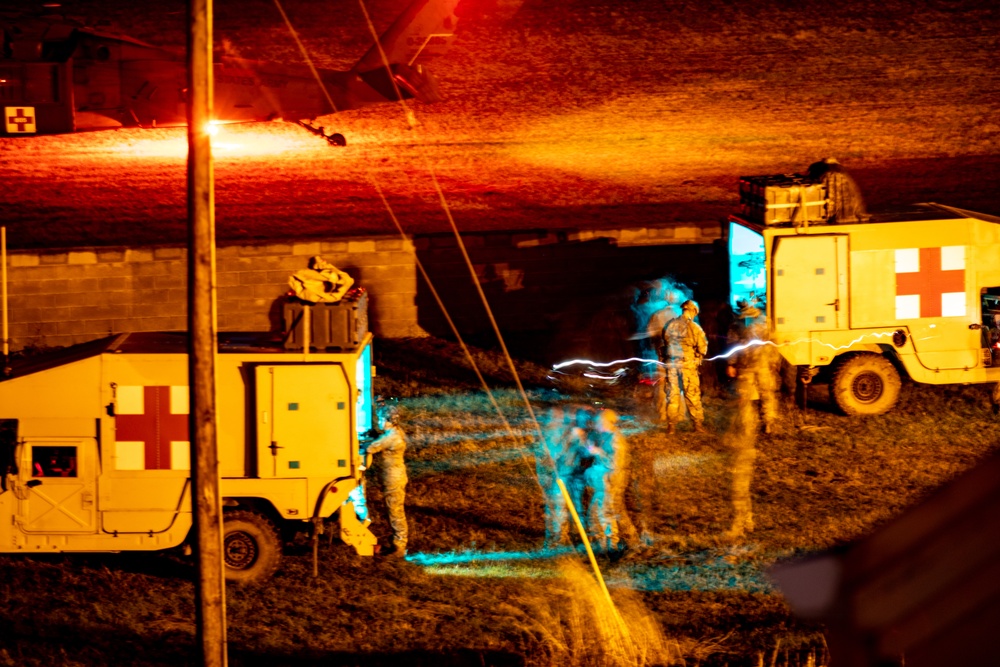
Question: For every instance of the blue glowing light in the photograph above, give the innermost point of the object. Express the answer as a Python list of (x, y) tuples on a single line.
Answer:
[(462, 557)]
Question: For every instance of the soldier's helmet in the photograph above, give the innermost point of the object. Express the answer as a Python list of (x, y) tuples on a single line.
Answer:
[(606, 420), (387, 412), (691, 305)]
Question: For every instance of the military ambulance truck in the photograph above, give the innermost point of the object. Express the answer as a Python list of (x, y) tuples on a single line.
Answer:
[(914, 293), (95, 450)]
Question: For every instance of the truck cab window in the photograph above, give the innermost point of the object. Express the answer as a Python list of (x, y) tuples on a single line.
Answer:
[(991, 321), (8, 443), (53, 461)]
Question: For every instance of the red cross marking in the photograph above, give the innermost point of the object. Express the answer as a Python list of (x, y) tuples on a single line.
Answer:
[(156, 427), (930, 282), (21, 119)]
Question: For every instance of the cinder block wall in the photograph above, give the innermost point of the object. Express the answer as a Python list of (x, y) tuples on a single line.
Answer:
[(66, 297), (534, 280)]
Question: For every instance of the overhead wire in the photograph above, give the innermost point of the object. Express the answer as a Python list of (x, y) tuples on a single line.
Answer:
[(411, 121)]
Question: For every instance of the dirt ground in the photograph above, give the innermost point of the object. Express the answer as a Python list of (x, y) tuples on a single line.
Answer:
[(562, 113)]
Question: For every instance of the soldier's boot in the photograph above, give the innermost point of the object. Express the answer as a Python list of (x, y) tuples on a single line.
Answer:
[(671, 429), (397, 550), (700, 428), (768, 428)]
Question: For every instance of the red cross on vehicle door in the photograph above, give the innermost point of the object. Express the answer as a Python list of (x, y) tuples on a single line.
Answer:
[(930, 282), (152, 428), (20, 120)]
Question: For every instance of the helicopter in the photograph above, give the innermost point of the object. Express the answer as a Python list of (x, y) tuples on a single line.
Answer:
[(58, 75)]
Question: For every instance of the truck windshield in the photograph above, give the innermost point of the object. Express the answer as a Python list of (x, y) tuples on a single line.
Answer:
[(747, 275), (8, 445), (363, 379)]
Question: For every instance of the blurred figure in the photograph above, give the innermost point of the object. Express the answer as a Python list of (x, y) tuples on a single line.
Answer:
[(577, 459), (550, 460), (755, 367), (654, 304), (657, 321), (391, 444), (846, 203), (686, 345), (607, 478)]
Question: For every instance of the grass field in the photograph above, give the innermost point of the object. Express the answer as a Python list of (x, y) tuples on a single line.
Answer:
[(477, 589)]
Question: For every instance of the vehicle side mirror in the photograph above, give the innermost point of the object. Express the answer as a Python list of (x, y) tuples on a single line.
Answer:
[(975, 326), (32, 483)]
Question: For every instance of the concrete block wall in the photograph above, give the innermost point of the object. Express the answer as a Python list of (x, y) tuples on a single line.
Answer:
[(71, 296), (533, 279)]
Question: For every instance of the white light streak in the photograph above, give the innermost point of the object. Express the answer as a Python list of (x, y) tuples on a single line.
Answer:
[(725, 355), (603, 364)]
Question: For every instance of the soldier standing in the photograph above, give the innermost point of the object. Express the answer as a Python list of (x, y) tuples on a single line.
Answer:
[(755, 367), (577, 459), (391, 444), (608, 478), (686, 345), (550, 455), (846, 203)]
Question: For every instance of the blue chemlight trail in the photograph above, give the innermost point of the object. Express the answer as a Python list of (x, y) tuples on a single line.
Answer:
[(696, 572)]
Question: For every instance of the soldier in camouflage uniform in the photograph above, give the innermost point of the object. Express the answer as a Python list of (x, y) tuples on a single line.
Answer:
[(550, 459), (608, 477), (755, 367), (846, 203), (391, 444), (686, 345), (577, 459)]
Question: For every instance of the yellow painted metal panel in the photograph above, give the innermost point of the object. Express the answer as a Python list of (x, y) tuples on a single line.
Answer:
[(873, 288), (310, 427), (809, 275), (64, 392)]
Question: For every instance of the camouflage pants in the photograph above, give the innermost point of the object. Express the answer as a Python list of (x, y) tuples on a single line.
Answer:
[(660, 393), (556, 512), (575, 486), (742, 475), (753, 384), (607, 506), (394, 491), (686, 376)]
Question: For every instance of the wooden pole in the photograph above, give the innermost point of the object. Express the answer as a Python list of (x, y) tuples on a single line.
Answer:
[(210, 592)]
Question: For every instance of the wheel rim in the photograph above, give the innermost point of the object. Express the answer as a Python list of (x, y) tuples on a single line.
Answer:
[(867, 387), (240, 550)]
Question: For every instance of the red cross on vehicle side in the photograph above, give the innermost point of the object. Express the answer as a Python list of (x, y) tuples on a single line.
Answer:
[(156, 427), (930, 282)]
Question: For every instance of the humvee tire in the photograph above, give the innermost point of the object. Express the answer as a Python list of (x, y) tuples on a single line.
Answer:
[(251, 549), (865, 383)]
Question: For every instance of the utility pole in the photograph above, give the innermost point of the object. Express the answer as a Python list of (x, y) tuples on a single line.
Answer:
[(210, 592)]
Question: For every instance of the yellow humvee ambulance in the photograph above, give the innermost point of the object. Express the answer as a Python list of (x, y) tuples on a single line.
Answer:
[(95, 450), (914, 292)]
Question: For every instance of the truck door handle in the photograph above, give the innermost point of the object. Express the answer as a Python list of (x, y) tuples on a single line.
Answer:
[(274, 447), (975, 326), (835, 303)]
